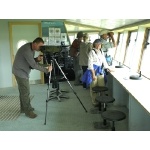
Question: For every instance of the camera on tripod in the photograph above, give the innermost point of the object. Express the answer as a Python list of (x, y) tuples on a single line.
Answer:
[(46, 49), (51, 53)]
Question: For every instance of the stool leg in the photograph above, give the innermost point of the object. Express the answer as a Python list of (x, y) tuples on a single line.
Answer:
[(99, 106), (104, 106), (104, 122), (101, 94), (113, 126)]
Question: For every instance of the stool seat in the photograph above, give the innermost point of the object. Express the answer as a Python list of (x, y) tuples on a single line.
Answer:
[(113, 115), (100, 89), (105, 99)]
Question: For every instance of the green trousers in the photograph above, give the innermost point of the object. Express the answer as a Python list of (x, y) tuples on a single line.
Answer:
[(24, 93), (77, 70)]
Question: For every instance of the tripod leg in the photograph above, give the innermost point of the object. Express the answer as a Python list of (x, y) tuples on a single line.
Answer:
[(69, 84), (59, 95), (46, 113)]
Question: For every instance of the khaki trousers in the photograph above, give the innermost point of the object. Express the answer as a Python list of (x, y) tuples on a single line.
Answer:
[(99, 81), (24, 93)]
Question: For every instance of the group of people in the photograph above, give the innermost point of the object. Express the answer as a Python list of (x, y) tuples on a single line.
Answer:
[(92, 60), (88, 59), (81, 47)]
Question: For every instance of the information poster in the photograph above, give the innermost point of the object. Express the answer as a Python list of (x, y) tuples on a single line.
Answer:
[(54, 33)]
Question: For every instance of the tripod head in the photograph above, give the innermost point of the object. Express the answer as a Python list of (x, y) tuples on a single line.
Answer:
[(46, 49), (49, 49), (50, 52)]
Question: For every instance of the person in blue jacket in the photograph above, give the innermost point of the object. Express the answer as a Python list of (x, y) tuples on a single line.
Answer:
[(95, 74)]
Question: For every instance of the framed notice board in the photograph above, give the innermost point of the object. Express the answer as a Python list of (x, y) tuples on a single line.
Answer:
[(54, 33)]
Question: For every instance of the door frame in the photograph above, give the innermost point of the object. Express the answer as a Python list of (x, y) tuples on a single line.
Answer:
[(11, 24)]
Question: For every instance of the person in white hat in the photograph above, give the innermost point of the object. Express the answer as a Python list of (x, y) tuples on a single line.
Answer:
[(108, 42)]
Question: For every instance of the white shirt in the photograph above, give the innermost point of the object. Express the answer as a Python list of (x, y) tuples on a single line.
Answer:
[(97, 58)]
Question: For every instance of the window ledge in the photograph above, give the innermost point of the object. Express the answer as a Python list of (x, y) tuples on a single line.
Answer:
[(139, 89)]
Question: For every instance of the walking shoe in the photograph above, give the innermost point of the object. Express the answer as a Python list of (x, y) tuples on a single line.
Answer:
[(30, 114), (32, 109), (23, 111)]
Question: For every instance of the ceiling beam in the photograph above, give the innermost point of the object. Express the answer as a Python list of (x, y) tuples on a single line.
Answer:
[(85, 31), (82, 25), (133, 25)]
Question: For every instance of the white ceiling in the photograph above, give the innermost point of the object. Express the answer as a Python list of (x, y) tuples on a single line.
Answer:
[(98, 24), (74, 25)]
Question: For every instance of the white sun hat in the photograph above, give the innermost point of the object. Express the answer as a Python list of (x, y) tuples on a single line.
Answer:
[(103, 32)]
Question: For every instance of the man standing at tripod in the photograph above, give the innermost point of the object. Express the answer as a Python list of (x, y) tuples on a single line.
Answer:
[(23, 63)]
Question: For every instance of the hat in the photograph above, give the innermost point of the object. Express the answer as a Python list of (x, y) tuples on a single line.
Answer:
[(97, 41), (103, 32), (80, 34), (86, 35)]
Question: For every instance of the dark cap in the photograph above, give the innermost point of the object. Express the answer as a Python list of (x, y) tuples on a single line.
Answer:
[(97, 41), (80, 34)]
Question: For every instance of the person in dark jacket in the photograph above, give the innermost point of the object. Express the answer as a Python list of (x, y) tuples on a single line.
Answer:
[(77, 68)]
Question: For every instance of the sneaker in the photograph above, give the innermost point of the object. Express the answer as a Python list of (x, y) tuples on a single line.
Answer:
[(84, 85), (77, 84), (30, 114), (95, 104)]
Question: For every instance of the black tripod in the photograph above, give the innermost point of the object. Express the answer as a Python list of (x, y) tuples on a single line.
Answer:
[(49, 97), (55, 84)]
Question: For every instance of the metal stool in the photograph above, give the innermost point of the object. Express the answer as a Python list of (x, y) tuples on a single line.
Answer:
[(113, 115), (104, 100), (100, 89)]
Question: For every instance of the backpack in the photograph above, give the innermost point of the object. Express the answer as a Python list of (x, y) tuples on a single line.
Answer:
[(74, 48), (73, 52)]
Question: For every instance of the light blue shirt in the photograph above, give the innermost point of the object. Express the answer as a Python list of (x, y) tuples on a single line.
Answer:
[(106, 45)]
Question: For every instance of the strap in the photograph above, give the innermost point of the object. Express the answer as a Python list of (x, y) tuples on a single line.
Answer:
[(94, 51)]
